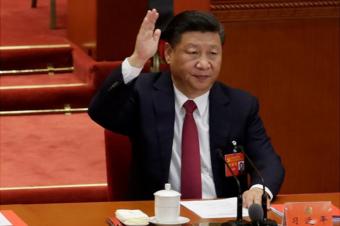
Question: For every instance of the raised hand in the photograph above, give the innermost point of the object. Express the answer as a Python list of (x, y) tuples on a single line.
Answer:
[(146, 41)]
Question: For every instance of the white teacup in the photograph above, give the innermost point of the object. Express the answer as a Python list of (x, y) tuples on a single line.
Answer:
[(167, 205)]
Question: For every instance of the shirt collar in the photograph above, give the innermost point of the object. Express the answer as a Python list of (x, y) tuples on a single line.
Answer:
[(200, 101)]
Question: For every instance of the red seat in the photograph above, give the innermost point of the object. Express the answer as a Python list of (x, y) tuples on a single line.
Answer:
[(118, 164)]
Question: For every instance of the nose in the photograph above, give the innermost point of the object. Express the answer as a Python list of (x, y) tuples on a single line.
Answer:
[(203, 63)]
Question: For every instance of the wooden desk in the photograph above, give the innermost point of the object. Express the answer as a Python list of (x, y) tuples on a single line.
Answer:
[(94, 214)]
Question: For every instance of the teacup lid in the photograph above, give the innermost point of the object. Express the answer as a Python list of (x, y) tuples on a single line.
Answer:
[(167, 192)]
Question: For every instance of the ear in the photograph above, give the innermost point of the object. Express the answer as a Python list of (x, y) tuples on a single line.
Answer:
[(167, 52)]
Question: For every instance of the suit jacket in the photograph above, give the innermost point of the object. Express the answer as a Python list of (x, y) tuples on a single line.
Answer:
[(144, 109)]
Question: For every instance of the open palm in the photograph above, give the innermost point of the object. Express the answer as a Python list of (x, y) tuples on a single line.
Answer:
[(147, 40)]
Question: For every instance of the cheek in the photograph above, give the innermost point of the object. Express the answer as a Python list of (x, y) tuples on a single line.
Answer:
[(183, 64), (217, 65), (184, 59), (189, 63)]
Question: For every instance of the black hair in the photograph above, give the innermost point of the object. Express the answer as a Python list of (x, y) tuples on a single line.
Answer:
[(192, 20)]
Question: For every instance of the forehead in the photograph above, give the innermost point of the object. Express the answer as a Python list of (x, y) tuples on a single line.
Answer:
[(198, 38)]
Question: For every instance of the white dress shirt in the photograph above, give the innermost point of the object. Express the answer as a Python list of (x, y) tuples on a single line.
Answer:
[(201, 116)]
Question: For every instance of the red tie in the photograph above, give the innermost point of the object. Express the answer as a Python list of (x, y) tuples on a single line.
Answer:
[(191, 185)]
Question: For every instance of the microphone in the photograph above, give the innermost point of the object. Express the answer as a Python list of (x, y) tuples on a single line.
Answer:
[(239, 219), (265, 221), (256, 216), (255, 212)]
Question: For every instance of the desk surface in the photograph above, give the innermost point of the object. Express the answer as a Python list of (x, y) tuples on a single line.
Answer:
[(90, 214)]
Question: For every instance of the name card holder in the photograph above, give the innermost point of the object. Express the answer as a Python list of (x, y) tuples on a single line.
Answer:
[(307, 214)]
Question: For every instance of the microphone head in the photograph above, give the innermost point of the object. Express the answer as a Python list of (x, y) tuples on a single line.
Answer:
[(255, 212)]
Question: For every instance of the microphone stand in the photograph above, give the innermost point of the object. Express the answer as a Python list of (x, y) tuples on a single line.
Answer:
[(239, 218), (265, 221)]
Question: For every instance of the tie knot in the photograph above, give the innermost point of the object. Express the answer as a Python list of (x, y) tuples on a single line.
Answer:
[(189, 106)]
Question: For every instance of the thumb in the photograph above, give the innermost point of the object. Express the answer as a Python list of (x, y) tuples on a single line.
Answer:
[(157, 35)]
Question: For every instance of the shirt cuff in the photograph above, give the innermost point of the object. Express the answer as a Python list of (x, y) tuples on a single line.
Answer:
[(270, 194), (129, 72)]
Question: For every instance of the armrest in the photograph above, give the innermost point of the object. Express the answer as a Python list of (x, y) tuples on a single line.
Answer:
[(83, 64), (89, 70)]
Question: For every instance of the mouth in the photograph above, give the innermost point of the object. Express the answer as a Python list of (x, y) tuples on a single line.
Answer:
[(201, 77)]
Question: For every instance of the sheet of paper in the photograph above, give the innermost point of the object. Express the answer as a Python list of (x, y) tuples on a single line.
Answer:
[(220, 208), (4, 221)]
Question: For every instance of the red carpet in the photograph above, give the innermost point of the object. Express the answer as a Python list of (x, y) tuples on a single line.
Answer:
[(22, 25), (53, 149), (50, 149)]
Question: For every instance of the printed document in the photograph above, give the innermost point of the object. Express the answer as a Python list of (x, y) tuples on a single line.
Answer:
[(219, 208), (4, 221)]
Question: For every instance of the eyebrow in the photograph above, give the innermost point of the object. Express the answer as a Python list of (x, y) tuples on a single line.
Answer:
[(195, 46)]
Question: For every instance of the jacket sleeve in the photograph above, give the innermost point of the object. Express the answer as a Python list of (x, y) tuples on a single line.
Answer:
[(260, 150), (114, 106)]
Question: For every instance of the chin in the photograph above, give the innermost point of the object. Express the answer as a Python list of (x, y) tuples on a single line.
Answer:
[(201, 89)]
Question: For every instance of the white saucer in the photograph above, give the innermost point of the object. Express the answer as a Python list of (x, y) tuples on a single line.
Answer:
[(180, 220)]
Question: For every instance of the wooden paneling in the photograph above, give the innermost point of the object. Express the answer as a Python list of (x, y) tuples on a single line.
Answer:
[(117, 27), (81, 23), (106, 29), (287, 54), (180, 5)]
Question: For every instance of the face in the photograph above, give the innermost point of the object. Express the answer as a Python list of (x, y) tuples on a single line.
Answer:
[(195, 62)]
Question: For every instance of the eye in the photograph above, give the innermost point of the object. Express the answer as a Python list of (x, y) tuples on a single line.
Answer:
[(192, 52), (213, 52)]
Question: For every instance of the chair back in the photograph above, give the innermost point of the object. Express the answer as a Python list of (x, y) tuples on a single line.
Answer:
[(118, 165)]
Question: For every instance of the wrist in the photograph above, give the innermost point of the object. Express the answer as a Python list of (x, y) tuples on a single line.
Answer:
[(136, 61), (267, 190)]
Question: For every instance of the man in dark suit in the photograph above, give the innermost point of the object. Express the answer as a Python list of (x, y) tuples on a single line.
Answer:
[(152, 109)]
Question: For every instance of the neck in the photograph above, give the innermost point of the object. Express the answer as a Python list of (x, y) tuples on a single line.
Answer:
[(190, 94)]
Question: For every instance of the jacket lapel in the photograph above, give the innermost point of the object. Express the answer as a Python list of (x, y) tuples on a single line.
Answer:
[(164, 106), (219, 116), (219, 129)]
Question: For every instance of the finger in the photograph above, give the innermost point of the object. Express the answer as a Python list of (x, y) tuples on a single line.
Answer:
[(247, 199), (247, 203), (153, 16), (145, 21), (157, 35), (149, 21), (268, 203), (257, 199)]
